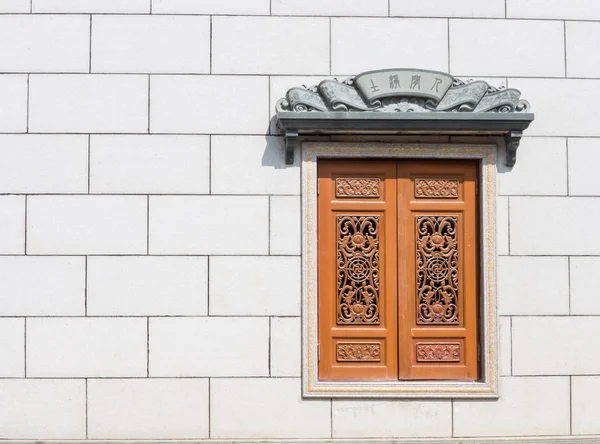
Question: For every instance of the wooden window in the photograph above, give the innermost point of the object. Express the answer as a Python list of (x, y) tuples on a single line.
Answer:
[(397, 269)]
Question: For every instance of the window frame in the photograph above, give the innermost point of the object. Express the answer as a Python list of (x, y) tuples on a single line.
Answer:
[(487, 386)]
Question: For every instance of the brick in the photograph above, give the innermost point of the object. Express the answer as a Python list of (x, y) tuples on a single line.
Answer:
[(241, 7), (88, 103), (533, 285), (331, 7), (393, 418), (502, 226), (12, 348), (86, 225), (44, 43), (378, 38), (553, 9), (144, 164), (286, 342), (237, 280), (584, 296), (13, 103), (9, 6), (204, 104), (583, 59), (43, 163), (209, 225), (505, 348), (285, 220), (12, 221), (209, 346), (270, 408), (555, 345), (147, 286), (526, 178), (441, 8), (559, 234), (550, 113), (262, 45), (42, 286), (520, 47), (584, 155), (256, 162), (86, 347), (585, 404), (148, 408), (151, 44), (42, 409), (92, 6), (527, 406)]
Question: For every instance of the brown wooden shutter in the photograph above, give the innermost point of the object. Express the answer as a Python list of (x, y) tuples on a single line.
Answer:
[(437, 272), (357, 270)]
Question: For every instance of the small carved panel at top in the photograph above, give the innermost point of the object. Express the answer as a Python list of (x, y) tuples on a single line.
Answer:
[(356, 187), (432, 352), (436, 188), (358, 352)]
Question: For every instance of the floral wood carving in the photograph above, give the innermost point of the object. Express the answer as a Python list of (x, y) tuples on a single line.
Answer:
[(358, 269), (437, 269), (356, 187), (436, 188), (431, 352), (358, 352)]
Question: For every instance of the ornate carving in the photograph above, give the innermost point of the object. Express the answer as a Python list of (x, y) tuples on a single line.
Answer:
[(356, 187), (358, 269), (434, 352), (436, 188), (358, 352), (512, 141), (437, 269)]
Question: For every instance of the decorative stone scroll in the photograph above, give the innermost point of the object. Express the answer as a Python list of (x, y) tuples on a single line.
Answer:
[(396, 100)]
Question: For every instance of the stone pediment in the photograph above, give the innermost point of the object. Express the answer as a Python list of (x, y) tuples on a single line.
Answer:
[(401, 101)]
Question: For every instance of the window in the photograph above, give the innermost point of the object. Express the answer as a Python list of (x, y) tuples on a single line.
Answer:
[(398, 269)]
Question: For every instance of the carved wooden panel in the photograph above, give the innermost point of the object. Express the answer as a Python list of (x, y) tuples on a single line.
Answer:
[(358, 269), (436, 188), (436, 352), (437, 269), (356, 187), (358, 352)]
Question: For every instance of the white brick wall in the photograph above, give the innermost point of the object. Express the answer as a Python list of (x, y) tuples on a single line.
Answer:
[(150, 234)]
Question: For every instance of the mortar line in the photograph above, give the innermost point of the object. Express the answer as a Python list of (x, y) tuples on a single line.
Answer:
[(148, 346), (86, 410), (149, 81), (270, 319), (148, 224), (25, 347), (569, 281), (330, 46), (90, 49), (508, 212), (85, 290), (209, 409), (565, 45), (89, 163), (448, 31), (211, 45), (28, 100), (208, 285), (570, 405), (25, 234), (568, 175)]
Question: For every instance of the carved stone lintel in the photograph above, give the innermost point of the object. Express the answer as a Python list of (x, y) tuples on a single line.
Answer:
[(512, 140), (291, 139)]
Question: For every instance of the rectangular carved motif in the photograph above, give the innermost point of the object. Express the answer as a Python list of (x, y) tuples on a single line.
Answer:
[(436, 188), (436, 352), (356, 187), (358, 352)]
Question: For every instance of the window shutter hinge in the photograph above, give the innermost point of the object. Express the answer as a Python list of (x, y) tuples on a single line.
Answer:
[(318, 352)]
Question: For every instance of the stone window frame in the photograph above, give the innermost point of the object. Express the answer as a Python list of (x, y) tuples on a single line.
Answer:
[(487, 385)]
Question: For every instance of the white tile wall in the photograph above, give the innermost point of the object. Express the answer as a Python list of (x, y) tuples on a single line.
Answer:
[(505, 346), (12, 348), (251, 415), (13, 103), (262, 45), (502, 225), (146, 286), (285, 221), (554, 9), (91, 6), (209, 346), (330, 7), (555, 345), (88, 103), (147, 408), (208, 104), (582, 58), (584, 155), (442, 8), (586, 404), (388, 41), (43, 163), (15, 6), (150, 44), (585, 298), (44, 43), (12, 220), (241, 7), (42, 286), (209, 225), (152, 164), (86, 347), (423, 419), (507, 47), (286, 340), (42, 409), (87, 224)]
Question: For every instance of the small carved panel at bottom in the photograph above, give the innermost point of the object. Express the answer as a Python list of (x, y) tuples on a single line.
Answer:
[(359, 352), (433, 352)]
